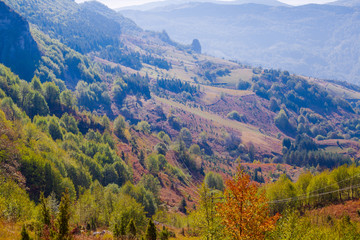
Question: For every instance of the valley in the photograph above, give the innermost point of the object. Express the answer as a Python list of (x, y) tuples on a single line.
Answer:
[(122, 131)]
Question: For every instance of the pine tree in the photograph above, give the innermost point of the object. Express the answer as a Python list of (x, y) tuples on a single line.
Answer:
[(64, 217), (131, 228), (45, 212), (116, 231), (182, 207), (142, 158), (150, 231)]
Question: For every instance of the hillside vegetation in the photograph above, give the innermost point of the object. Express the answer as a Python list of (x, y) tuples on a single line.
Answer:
[(142, 137)]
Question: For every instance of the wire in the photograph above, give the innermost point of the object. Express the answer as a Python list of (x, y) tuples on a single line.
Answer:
[(311, 196)]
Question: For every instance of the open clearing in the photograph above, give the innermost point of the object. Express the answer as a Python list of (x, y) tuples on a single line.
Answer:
[(249, 132)]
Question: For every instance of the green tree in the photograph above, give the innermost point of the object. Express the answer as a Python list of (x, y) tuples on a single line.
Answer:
[(185, 136), (144, 126), (195, 149), (182, 206), (151, 183), (161, 148), (151, 232), (119, 127), (214, 181), (206, 222), (131, 228), (282, 122), (164, 234), (54, 130), (44, 211), (36, 84), (152, 164), (68, 99), (52, 96), (40, 106), (63, 217)]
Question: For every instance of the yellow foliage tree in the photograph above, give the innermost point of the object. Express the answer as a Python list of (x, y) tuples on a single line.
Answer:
[(244, 211)]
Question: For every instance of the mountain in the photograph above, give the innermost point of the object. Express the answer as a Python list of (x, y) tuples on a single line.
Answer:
[(313, 40), (347, 3), (71, 23), (115, 136), (165, 4), (18, 49)]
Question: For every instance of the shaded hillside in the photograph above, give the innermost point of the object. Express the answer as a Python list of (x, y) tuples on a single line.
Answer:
[(18, 49), (79, 28), (313, 40)]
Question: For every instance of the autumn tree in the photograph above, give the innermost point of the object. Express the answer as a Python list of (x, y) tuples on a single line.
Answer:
[(244, 211)]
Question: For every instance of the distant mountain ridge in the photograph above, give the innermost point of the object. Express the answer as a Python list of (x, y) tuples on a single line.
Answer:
[(168, 3), (348, 3), (313, 40)]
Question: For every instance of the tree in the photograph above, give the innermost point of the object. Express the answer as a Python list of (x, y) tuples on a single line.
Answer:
[(206, 222), (195, 149), (164, 234), (182, 206), (144, 126), (151, 231), (214, 181), (131, 229), (36, 84), (161, 148), (244, 212), (52, 96), (142, 158), (119, 127), (68, 99), (24, 233), (63, 217), (45, 212), (185, 136), (282, 122), (54, 130)]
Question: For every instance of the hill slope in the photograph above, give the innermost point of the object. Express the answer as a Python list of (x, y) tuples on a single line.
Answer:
[(313, 40), (17, 43)]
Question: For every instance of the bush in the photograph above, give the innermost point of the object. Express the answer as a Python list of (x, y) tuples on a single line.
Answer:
[(243, 85)]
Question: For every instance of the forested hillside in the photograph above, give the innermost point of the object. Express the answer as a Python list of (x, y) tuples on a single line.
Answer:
[(120, 133)]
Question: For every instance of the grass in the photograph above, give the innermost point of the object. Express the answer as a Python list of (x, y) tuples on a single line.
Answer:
[(336, 89), (236, 75), (249, 132)]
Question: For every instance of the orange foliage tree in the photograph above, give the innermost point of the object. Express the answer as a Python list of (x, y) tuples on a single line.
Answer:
[(244, 211)]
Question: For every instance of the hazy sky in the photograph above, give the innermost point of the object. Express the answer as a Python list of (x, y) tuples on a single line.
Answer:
[(124, 3)]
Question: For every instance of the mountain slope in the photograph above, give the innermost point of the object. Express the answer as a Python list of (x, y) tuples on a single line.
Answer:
[(69, 22), (18, 50), (313, 40)]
